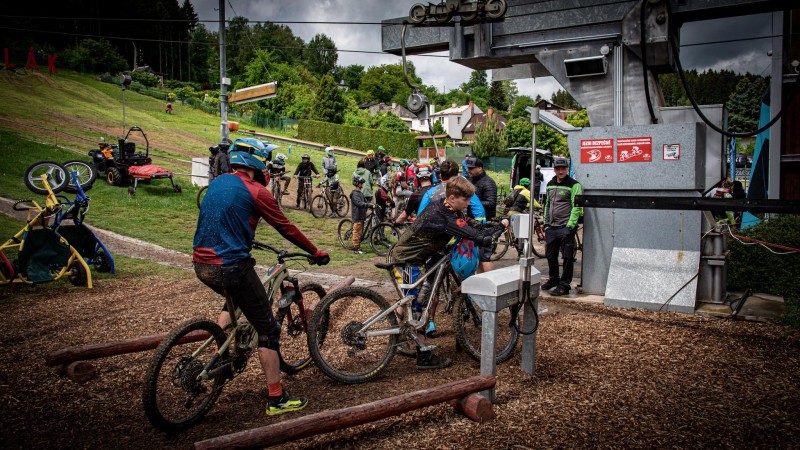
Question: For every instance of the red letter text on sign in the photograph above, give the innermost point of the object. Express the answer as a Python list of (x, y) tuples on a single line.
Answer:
[(8, 65), (31, 63), (51, 64)]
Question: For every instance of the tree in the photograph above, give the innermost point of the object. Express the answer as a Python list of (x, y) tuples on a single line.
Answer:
[(562, 98), (351, 75), (579, 119), (385, 82), (488, 141), (497, 98), (520, 103), (519, 132), (477, 80), (551, 140), (202, 67), (94, 56), (321, 54), (329, 104), (391, 122), (744, 103)]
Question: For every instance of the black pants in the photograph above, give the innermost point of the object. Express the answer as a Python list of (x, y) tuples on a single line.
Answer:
[(560, 239), (248, 294)]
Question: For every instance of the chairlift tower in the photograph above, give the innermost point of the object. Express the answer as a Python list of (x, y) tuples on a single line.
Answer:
[(608, 55)]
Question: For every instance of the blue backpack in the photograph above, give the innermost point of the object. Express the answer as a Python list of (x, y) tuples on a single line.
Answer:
[(464, 257)]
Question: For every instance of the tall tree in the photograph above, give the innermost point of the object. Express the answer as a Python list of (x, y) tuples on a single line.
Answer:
[(520, 103), (386, 82), (488, 141), (497, 97), (744, 104), (562, 98), (329, 104), (321, 54), (477, 80)]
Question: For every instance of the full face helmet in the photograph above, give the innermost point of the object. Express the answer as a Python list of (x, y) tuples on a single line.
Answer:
[(358, 180), (384, 182)]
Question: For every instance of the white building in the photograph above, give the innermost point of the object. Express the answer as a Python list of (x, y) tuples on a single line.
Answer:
[(452, 119)]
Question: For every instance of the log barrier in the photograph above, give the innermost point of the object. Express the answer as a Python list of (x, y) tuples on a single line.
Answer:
[(333, 420)]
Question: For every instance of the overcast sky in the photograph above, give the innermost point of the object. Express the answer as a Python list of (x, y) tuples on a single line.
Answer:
[(745, 56)]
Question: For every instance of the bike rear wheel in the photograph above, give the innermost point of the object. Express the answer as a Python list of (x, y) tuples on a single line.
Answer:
[(319, 206), (345, 234), (174, 399), (294, 353), (345, 355), (383, 237), (342, 205), (200, 195), (469, 321), (500, 245), (538, 246), (54, 173)]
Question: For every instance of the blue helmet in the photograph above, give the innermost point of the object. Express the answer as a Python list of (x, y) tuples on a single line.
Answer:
[(464, 258), (247, 160)]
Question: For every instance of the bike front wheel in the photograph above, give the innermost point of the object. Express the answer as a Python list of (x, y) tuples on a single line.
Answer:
[(345, 234), (54, 173), (294, 354), (86, 174), (346, 354), (319, 207), (174, 396), (383, 237), (500, 245), (469, 322)]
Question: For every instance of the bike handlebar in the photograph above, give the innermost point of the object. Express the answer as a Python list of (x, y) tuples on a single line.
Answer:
[(283, 255)]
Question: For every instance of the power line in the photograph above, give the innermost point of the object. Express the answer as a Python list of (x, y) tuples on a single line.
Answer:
[(170, 41), (126, 19), (731, 40)]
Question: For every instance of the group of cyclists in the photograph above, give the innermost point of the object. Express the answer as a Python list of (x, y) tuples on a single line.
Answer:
[(441, 201)]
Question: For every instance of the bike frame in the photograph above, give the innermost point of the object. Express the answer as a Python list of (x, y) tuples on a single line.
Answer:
[(405, 302)]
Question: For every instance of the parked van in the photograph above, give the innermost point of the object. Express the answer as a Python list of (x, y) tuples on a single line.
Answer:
[(521, 166)]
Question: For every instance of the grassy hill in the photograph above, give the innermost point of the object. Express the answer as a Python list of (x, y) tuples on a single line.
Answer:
[(62, 117)]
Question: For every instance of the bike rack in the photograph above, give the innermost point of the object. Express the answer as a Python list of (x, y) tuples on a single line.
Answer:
[(493, 291)]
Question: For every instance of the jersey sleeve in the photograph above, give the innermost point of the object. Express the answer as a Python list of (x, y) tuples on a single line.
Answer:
[(267, 207)]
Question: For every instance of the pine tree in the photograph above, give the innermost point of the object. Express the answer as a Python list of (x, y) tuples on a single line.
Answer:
[(488, 141), (329, 104), (497, 97)]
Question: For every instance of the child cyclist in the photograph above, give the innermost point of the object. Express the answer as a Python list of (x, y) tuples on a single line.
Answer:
[(360, 206), (429, 236)]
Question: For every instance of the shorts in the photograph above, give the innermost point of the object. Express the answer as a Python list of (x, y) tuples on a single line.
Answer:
[(241, 281), (485, 254)]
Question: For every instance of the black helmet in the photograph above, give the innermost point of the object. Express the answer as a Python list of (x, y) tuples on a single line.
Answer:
[(357, 179), (305, 156), (334, 185)]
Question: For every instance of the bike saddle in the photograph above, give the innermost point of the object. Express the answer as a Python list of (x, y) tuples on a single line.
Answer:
[(391, 265)]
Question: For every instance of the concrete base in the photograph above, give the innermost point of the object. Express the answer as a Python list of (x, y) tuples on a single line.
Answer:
[(757, 308)]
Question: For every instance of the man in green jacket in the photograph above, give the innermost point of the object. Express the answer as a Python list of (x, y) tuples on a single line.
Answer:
[(364, 173), (561, 222)]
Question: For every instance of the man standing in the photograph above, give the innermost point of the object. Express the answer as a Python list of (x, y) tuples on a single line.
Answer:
[(464, 168), (560, 222), (486, 190), (222, 261), (537, 182), (303, 171)]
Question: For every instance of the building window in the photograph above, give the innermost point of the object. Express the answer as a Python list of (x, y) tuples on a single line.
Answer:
[(458, 120)]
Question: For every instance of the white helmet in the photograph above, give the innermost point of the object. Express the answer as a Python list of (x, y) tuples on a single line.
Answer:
[(281, 157), (383, 182), (538, 167), (328, 151)]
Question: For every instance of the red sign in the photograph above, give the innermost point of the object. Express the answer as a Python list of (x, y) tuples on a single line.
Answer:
[(638, 149), (597, 150)]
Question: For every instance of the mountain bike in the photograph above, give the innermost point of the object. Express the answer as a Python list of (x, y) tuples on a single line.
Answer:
[(306, 193), (275, 188), (381, 236), (363, 331), (324, 202), (508, 239), (185, 379)]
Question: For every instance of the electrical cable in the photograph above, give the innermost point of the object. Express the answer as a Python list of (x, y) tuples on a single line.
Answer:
[(705, 119), (643, 47)]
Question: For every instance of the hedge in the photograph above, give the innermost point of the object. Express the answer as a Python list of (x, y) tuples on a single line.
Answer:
[(398, 145), (753, 266)]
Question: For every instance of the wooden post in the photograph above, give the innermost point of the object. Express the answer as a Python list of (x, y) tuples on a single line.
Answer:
[(474, 406), (332, 420), (81, 371), (95, 351)]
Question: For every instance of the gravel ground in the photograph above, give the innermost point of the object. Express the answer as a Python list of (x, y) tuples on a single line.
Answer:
[(605, 378)]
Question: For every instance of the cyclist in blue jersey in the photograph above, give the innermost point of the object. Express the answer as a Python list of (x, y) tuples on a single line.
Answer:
[(232, 207)]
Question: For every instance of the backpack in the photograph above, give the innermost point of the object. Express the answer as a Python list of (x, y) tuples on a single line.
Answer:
[(511, 198)]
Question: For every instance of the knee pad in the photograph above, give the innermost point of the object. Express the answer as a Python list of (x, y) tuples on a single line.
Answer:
[(271, 340)]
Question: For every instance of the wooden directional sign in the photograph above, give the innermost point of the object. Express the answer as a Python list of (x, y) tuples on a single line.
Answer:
[(254, 93)]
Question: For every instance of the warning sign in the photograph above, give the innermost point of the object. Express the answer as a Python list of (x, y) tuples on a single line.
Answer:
[(637, 149), (597, 150)]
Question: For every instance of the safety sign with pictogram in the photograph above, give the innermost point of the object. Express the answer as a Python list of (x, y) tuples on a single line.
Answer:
[(636, 149), (597, 150)]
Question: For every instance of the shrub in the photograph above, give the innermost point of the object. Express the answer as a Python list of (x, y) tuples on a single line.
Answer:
[(146, 79), (754, 267), (399, 145), (95, 56)]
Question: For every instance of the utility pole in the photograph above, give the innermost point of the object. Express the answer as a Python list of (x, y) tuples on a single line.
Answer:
[(223, 80)]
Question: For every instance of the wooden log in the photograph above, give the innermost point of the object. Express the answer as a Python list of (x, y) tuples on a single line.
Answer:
[(475, 406), (81, 371), (332, 420), (95, 351)]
